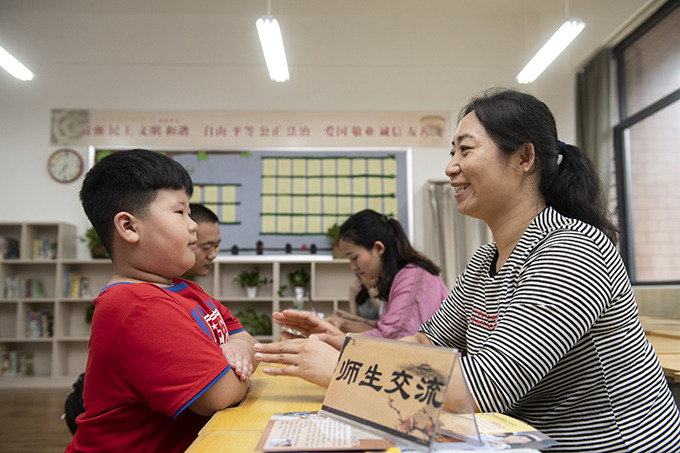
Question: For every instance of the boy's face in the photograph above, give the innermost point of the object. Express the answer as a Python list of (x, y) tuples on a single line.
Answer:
[(208, 234), (167, 235)]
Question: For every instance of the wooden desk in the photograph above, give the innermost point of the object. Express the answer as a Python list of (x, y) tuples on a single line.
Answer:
[(239, 429), (664, 334)]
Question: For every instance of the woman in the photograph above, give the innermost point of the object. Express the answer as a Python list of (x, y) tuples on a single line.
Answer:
[(406, 282), (545, 316)]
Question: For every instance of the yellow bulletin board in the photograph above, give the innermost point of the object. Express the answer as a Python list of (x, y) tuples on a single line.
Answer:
[(305, 195), (220, 199), (282, 201)]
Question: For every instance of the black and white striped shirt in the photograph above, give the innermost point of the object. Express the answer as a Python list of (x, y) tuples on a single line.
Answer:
[(553, 339)]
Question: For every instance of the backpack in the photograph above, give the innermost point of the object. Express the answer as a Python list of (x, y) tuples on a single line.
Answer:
[(74, 404)]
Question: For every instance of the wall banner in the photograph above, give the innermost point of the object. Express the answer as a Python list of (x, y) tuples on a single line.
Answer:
[(215, 128)]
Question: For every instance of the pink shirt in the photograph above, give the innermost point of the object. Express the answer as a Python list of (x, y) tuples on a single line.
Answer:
[(414, 297)]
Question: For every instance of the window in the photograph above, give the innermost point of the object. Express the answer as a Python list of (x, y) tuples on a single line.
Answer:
[(647, 148)]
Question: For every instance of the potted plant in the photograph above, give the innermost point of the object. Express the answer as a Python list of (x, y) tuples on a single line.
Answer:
[(97, 249), (253, 323), (298, 278), (334, 234), (251, 281)]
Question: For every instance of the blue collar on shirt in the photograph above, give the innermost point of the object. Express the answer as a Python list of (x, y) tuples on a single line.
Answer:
[(182, 285)]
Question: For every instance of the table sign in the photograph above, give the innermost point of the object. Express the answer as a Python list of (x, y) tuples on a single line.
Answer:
[(393, 388)]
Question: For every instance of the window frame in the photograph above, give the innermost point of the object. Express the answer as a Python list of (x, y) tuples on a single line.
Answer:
[(621, 155)]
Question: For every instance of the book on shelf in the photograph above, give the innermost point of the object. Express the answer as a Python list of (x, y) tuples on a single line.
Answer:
[(43, 249), (39, 324), (76, 285), (9, 248), (17, 364), (23, 288)]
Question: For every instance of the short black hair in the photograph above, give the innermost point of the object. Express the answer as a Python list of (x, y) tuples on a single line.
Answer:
[(201, 214), (128, 181)]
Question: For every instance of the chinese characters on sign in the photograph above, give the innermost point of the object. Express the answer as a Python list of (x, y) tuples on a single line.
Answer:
[(182, 130), (430, 388), (395, 387), (248, 128)]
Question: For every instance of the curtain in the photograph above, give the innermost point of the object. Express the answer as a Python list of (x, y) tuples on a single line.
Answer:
[(451, 238), (593, 114)]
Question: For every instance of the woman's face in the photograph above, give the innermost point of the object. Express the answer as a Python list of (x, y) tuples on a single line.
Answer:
[(484, 182), (366, 263)]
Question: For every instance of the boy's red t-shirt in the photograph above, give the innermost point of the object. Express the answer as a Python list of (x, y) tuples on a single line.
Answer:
[(153, 351)]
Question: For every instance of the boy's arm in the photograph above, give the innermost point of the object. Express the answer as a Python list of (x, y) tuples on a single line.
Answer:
[(232, 387), (240, 354), (228, 391)]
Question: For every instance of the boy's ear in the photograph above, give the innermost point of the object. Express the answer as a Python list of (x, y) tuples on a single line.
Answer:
[(124, 225)]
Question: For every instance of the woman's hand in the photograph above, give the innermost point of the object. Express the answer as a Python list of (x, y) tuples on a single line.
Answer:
[(309, 324), (311, 359), (347, 322)]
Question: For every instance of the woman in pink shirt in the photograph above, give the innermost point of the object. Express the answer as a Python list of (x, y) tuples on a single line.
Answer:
[(406, 283)]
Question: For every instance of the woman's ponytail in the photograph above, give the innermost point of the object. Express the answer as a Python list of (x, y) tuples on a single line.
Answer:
[(574, 190)]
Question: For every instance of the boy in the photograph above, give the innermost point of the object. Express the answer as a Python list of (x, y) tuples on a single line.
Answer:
[(208, 237), (164, 355)]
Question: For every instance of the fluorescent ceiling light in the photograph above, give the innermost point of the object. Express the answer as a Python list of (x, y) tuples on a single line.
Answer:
[(272, 47), (550, 50), (14, 66)]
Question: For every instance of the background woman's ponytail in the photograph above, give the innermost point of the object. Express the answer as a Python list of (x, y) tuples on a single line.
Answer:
[(569, 183)]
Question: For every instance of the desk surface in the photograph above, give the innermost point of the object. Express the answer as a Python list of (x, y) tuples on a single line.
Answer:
[(239, 429), (664, 334)]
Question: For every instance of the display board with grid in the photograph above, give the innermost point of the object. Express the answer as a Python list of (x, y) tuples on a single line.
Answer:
[(307, 195)]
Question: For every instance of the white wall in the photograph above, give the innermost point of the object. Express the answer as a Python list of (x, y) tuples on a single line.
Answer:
[(204, 54)]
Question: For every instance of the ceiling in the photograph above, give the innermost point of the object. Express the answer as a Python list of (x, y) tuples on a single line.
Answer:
[(389, 54), (359, 33)]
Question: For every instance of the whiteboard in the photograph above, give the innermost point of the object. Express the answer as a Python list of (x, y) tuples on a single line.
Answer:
[(282, 201)]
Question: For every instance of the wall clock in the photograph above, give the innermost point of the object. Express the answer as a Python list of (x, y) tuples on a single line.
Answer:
[(65, 165)]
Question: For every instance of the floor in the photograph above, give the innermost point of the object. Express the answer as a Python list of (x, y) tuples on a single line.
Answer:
[(30, 421)]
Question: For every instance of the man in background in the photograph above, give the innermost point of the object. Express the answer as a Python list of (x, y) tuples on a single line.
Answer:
[(208, 233)]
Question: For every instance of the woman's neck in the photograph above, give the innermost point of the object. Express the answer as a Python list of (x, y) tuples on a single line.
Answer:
[(509, 230)]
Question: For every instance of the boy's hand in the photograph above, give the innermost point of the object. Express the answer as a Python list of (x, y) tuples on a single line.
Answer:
[(239, 353)]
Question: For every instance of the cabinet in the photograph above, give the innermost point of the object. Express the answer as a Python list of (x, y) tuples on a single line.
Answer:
[(60, 356)]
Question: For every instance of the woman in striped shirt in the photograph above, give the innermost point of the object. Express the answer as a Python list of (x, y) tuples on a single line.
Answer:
[(545, 316)]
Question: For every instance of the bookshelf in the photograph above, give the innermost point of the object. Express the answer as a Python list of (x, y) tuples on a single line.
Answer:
[(328, 286), (58, 357), (53, 346)]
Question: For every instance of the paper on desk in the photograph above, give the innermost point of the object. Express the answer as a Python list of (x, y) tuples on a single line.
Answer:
[(310, 431), (496, 431)]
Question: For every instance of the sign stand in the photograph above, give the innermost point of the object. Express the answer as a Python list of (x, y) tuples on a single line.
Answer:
[(396, 389)]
